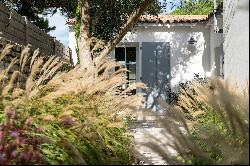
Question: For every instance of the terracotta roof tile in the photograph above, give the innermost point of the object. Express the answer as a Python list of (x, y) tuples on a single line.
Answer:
[(173, 18), (163, 19)]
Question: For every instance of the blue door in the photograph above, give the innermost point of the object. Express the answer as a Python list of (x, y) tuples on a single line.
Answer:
[(156, 72)]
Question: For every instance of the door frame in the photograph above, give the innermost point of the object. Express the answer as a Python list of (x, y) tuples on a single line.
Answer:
[(138, 57), (159, 81)]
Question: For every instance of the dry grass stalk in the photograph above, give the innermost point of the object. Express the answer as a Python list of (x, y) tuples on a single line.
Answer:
[(10, 84), (39, 73), (231, 103), (24, 58), (232, 107), (6, 51), (35, 55), (77, 81), (97, 88)]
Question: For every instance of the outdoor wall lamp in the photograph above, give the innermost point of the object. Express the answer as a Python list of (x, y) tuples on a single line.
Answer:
[(192, 40)]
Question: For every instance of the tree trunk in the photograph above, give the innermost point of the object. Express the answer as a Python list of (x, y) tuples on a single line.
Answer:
[(84, 39)]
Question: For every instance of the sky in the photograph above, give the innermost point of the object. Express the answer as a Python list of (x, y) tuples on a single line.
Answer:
[(61, 31)]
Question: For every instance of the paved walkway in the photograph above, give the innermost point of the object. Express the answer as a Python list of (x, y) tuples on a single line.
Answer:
[(143, 133)]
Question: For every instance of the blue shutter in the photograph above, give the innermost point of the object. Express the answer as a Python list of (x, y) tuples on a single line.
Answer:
[(156, 71)]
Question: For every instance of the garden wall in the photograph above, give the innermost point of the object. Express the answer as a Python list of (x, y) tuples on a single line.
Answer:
[(16, 53), (20, 30)]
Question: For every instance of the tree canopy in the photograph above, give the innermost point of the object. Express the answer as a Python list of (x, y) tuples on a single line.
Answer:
[(108, 16), (34, 13), (103, 20), (195, 7)]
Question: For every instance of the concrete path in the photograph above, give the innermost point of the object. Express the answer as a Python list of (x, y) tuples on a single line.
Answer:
[(144, 132)]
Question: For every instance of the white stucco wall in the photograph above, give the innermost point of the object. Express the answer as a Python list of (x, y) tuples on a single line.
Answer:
[(216, 40), (236, 45), (185, 59), (72, 44)]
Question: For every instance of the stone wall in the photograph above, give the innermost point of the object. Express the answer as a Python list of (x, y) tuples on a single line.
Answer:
[(20, 30)]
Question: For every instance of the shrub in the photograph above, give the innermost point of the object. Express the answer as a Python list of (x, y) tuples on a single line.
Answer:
[(17, 145), (175, 96), (217, 130), (77, 115)]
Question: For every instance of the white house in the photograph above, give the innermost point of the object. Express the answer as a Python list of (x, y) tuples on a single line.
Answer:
[(165, 50), (72, 40)]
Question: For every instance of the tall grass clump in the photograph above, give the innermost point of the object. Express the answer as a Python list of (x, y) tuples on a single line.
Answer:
[(209, 125), (64, 117)]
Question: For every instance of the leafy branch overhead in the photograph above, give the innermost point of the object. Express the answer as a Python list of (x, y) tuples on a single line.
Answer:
[(200, 7), (111, 23), (108, 17), (34, 13), (105, 20)]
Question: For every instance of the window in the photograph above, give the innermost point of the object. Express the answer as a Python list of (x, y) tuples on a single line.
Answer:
[(126, 56)]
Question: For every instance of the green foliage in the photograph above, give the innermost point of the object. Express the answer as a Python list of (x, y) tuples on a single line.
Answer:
[(34, 14), (17, 145), (197, 7), (48, 6), (107, 19), (208, 126), (78, 21), (64, 117), (90, 137), (213, 129)]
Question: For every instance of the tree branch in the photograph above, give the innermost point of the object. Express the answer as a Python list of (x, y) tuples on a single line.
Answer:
[(127, 26)]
